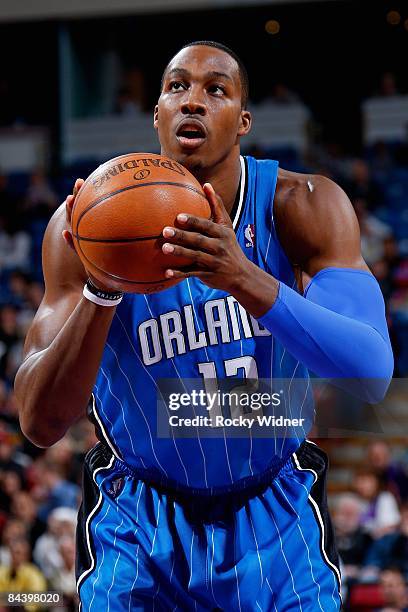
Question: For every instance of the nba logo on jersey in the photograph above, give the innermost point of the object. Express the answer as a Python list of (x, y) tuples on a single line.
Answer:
[(249, 234)]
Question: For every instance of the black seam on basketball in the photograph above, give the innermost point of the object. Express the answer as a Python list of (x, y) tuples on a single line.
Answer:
[(116, 240), (113, 193), (121, 278)]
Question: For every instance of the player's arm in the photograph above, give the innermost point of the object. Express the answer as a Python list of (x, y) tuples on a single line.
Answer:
[(64, 345), (338, 327)]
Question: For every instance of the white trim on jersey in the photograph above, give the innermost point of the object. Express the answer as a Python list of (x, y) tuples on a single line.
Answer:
[(103, 432), (319, 518), (241, 193), (88, 520)]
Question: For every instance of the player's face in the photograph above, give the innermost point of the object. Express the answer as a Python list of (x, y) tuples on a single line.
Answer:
[(199, 116)]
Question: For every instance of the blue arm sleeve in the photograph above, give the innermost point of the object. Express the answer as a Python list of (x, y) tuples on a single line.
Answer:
[(339, 330)]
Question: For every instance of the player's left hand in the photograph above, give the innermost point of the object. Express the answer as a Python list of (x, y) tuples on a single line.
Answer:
[(211, 246)]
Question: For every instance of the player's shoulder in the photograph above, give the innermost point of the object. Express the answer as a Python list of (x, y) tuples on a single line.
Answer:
[(291, 185), (300, 195), (312, 213)]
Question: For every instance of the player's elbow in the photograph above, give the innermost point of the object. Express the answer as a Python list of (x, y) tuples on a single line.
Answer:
[(39, 434), (366, 372), (378, 374)]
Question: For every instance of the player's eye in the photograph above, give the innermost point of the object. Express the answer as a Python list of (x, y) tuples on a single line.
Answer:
[(217, 89), (176, 86)]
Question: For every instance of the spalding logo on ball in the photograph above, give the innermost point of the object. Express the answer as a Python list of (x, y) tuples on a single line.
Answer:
[(119, 215)]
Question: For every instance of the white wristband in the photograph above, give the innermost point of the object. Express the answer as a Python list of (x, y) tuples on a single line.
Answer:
[(99, 300)]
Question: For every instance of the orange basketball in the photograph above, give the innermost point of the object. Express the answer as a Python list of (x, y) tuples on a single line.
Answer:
[(119, 215)]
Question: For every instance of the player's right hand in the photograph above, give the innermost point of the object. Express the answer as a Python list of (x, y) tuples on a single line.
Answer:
[(69, 203)]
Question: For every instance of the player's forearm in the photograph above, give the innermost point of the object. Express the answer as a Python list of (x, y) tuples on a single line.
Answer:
[(53, 386), (339, 331)]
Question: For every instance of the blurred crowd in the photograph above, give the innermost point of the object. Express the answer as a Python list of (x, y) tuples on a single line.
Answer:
[(40, 489), (371, 528)]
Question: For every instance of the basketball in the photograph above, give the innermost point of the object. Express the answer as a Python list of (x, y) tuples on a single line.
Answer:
[(119, 215)]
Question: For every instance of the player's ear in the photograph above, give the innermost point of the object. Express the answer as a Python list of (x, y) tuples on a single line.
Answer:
[(244, 123), (156, 116)]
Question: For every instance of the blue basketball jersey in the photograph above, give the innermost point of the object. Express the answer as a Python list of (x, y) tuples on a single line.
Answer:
[(191, 331)]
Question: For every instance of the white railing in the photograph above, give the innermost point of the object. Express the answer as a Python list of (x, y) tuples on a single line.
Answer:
[(23, 149), (385, 119)]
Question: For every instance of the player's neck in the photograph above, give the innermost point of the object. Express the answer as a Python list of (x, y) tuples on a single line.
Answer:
[(225, 179)]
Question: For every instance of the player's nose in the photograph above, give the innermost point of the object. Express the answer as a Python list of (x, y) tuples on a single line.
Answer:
[(193, 103)]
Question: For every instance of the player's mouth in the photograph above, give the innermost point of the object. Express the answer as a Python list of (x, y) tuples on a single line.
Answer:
[(191, 134)]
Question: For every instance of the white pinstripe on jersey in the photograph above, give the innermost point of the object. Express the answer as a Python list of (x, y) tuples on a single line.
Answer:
[(140, 408), (303, 538), (286, 561), (102, 559), (158, 390)]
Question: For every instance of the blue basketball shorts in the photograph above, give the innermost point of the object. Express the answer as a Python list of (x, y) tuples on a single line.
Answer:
[(270, 547)]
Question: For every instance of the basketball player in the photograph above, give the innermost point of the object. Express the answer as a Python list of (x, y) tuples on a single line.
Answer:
[(277, 285)]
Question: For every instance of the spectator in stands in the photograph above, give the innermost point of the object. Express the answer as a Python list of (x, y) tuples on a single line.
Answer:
[(9, 413), (11, 342), (386, 268), (25, 508), (4, 391), (8, 454), (21, 575), (24, 294), (394, 591), (40, 194), (61, 455), (352, 540), (63, 580), (14, 529), (281, 94), (61, 523), (16, 291), (374, 232), (85, 439), (391, 549), (7, 200), (392, 474), (381, 159), (388, 86), (10, 484), (401, 281), (380, 514), (362, 185), (131, 99), (35, 295), (15, 243), (57, 491), (401, 151), (125, 105)]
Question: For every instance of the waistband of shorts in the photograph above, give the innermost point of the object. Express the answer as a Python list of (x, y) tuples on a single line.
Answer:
[(250, 484)]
